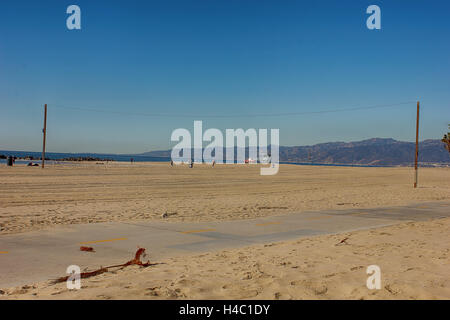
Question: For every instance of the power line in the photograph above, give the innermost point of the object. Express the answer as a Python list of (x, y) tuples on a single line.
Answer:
[(178, 115)]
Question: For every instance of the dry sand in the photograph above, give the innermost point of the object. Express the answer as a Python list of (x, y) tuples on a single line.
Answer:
[(32, 198), (413, 258)]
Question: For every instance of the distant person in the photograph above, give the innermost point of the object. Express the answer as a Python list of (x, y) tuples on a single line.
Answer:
[(171, 163), (213, 163), (191, 164)]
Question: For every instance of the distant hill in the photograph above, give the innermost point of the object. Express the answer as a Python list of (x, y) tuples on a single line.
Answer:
[(376, 151)]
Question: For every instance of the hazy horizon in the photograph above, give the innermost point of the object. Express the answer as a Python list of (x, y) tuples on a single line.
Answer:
[(157, 150)]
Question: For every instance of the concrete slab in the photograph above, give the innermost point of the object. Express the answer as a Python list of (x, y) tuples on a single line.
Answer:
[(39, 256)]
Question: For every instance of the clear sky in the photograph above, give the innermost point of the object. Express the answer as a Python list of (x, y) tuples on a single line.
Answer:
[(215, 58)]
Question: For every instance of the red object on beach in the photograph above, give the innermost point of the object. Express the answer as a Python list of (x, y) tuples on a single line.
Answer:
[(136, 261), (343, 241), (88, 249)]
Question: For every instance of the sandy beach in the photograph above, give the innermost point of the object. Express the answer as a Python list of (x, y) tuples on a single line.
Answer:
[(413, 258), (32, 198)]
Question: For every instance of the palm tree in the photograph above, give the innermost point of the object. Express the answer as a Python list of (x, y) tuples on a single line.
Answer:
[(446, 140)]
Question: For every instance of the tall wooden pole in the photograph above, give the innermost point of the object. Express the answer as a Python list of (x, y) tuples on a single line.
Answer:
[(44, 131), (417, 147)]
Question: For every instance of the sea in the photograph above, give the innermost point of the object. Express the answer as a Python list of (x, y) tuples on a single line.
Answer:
[(55, 155), (136, 157)]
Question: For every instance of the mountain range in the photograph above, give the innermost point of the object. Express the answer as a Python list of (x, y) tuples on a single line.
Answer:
[(376, 151)]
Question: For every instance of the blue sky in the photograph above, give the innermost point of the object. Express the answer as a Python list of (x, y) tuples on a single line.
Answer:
[(207, 58)]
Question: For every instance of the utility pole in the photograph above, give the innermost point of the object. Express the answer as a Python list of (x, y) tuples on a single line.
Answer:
[(44, 131), (417, 146)]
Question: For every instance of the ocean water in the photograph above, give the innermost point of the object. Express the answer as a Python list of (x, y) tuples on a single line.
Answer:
[(54, 155), (136, 158), (336, 164)]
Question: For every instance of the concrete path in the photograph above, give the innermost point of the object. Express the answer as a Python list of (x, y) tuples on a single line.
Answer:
[(42, 255)]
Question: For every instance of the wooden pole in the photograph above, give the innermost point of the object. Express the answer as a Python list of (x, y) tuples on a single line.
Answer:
[(417, 147), (44, 131)]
